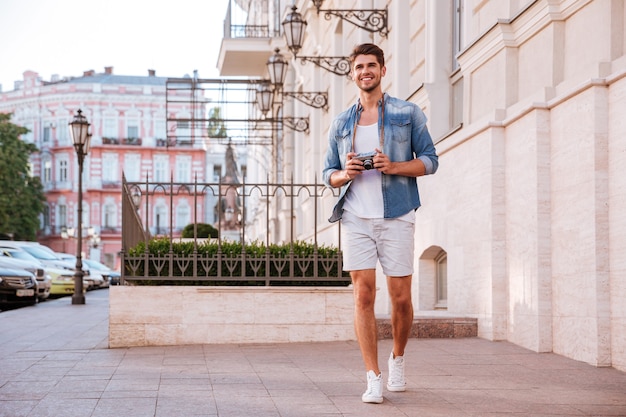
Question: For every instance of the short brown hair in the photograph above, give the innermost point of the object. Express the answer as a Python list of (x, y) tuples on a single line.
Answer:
[(368, 49)]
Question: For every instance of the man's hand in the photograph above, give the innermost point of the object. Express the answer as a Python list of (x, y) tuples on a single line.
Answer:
[(382, 163)]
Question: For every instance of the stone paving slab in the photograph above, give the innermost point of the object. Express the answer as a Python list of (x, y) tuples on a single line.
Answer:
[(55, 361)]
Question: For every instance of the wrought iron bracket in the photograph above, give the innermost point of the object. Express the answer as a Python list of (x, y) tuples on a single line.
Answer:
[(315, 99), (372, 20), (299, 124), (339, 65)]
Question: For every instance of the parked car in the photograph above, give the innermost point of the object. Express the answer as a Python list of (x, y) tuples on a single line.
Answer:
[(115, 278), (34, 267), (98, 268), (48, 255), (45, 255), (63, 283), (17, 288), (97, 271)]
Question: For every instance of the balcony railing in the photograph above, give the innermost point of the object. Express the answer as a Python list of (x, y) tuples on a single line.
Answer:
[(260, 20), (121, 141), (264, 214)]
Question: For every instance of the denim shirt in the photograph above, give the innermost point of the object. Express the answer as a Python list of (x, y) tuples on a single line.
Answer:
[(406, 138)]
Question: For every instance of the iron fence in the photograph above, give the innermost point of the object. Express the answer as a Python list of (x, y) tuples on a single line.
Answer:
[(258, 241)]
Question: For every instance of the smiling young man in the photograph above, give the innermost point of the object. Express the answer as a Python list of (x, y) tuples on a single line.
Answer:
[(376, 149)]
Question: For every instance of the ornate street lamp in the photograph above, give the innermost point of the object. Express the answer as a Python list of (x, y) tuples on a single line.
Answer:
[(277, 68), (79, 131), (264, 98), (135, 195), (294, 27)]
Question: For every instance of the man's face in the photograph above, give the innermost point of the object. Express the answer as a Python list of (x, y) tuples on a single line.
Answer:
[(367, 72)]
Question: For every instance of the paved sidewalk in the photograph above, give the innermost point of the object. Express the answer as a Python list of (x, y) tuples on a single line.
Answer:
[(55, 361)]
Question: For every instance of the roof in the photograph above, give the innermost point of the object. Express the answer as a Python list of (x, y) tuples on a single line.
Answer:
[(119, 79)]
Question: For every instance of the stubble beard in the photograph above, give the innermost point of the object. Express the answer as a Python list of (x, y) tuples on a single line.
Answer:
[(371, 87)]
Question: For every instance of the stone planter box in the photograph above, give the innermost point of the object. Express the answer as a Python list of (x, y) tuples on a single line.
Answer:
[(186, 315)]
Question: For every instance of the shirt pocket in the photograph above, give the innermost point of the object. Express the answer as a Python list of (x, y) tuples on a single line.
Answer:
[(344, 141), (400, 128)]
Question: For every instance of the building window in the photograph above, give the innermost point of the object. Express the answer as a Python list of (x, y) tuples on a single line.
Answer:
[(62, 219), (63, 163), (457, 31), (160, 131), (110, 218), (160, 219), (132, 132), (456, 107), (47, 171), (183, 168), (183, 131), (46, 216), (182, 216), (441, 262), (217, 173), (62, 134), (110, 128), (160, 168), (132, 166), (109, 168), (46, 134)]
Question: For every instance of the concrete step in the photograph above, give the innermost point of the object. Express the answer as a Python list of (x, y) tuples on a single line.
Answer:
[(433, 327)]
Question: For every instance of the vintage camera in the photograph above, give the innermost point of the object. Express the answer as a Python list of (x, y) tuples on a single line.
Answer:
[(367, 158)]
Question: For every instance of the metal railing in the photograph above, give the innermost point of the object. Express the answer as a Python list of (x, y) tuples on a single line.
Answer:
[(258, 242), (252, 20)]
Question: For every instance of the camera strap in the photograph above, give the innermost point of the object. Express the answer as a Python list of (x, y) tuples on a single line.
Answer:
[(381, 137)]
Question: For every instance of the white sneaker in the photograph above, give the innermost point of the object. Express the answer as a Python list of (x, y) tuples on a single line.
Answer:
[(396, 381), (374, 393)]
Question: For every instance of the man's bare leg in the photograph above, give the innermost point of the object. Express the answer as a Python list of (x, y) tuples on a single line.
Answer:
[(401, 312), (364, 283)]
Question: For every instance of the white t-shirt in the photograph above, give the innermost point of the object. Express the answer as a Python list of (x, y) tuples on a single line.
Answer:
[(365, 195)]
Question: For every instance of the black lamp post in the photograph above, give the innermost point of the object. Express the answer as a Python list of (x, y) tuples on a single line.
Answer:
[(294, 27), (79, 130), (265, 98), (277, 68)]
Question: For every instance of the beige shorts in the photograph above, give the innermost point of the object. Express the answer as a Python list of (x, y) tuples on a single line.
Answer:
[(389, 241)]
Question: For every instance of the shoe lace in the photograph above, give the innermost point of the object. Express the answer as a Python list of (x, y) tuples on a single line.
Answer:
[(373, 385), (396, 373)]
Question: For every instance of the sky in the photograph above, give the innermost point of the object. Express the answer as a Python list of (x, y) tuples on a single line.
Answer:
[(68, 37)]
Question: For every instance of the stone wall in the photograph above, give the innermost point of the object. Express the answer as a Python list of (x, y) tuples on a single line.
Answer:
[(184, 315)]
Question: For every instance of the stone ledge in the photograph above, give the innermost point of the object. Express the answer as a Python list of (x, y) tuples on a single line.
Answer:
[(434, 327), (185, 315)]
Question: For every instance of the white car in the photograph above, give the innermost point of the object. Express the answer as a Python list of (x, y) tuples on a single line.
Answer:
[(99, 272), (23, 260), (44, 254), (48, 259)]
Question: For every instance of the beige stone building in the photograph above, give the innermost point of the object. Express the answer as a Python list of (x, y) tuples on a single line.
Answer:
[(523, 226)]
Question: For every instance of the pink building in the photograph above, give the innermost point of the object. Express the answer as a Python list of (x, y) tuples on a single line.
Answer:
[(130, 135)]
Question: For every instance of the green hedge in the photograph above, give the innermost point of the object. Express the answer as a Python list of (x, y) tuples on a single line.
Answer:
[(256, 253)]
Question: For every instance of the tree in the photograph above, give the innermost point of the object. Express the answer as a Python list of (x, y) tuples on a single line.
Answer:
[(21, 195), (216, 127)]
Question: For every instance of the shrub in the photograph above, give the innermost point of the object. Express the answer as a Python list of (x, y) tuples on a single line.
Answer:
[(289, 265), (204, 230)]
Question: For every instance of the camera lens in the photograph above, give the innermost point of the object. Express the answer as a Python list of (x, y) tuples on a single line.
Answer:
[(368, 164)]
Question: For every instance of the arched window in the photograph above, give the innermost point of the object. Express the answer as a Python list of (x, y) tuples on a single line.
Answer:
[(161, 221), (182, 216), (109, 216), (432, 283)]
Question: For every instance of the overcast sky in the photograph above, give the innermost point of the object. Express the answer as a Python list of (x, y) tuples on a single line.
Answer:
[(67, 37)]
